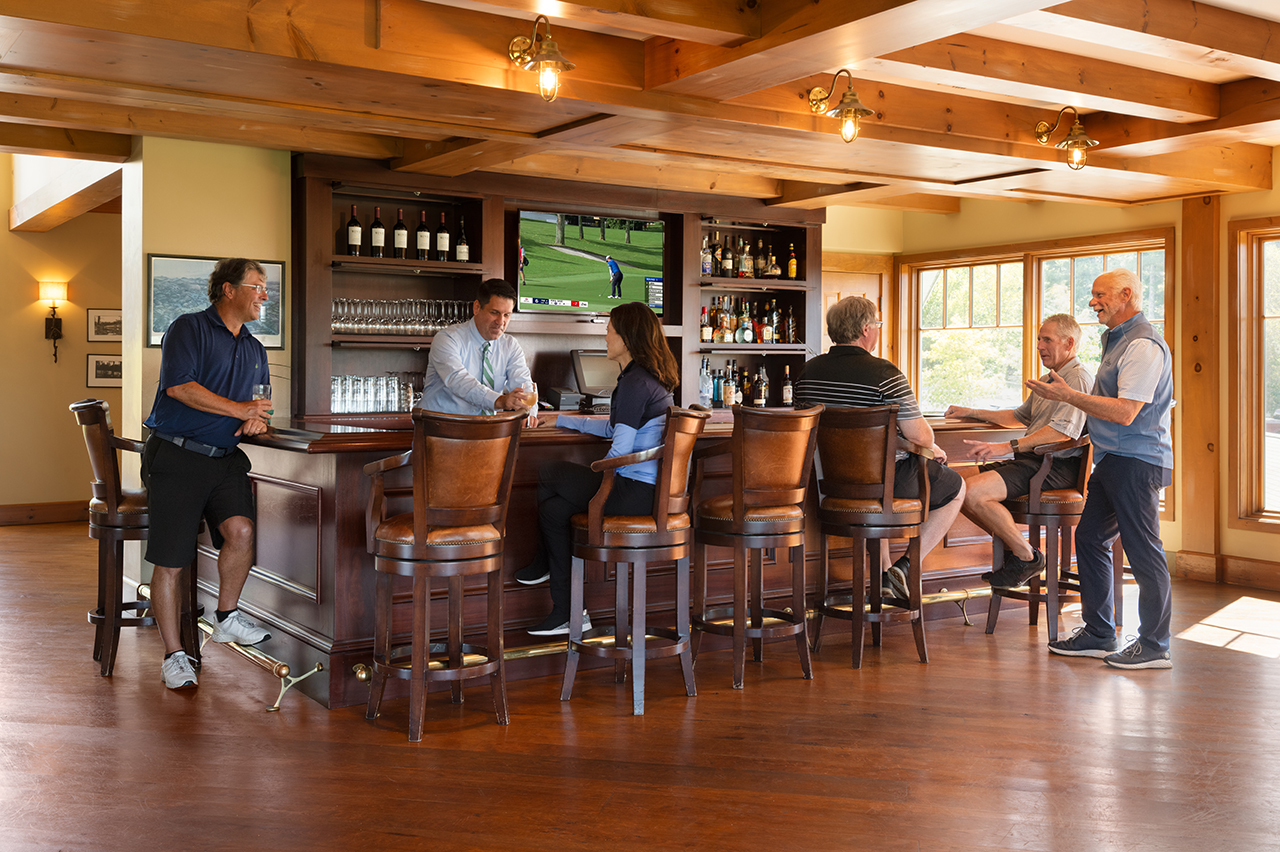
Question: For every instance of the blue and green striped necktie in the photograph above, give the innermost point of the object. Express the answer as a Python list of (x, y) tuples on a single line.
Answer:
[(486, 369)]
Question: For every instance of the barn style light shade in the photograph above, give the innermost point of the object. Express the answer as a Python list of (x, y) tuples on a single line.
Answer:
[(542, 56), (53, 292), (1076, 143), (848, 112)]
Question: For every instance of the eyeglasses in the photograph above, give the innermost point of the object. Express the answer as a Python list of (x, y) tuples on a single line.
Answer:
[(876, 323), (261, 288)]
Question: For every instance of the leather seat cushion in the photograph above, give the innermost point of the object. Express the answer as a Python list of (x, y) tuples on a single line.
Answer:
[(868, 507), (631, 524), (1057, 497), (131, 503), (716, 515), (399, 530)]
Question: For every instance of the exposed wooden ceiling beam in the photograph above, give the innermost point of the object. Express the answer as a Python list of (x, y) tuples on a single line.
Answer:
[(1028, 74), (454, 157), (1176, 29), (78, 188), (816, 35), (62, 142), (721, 22), (669, 177)]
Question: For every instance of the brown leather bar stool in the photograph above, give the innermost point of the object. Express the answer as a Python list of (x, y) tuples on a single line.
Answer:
[(772, 454), (117, 516), (1058, 512), (634, 543), (462, 471), (857, 452)]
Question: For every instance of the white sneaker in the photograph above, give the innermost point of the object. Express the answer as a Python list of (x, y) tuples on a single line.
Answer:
[(236, 628), (177, 672), (552, 626)]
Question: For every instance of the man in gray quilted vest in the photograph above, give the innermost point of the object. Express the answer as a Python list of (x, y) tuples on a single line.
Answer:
[(1128, 415)]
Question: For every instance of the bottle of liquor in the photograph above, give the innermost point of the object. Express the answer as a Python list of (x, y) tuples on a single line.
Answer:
[(727, 255), (748, 388), (704, 382), (791, 326), (423, 235), (791, 263), (377, 234), (774, 322), (762, 262), (442, 240), (400, 235), (746, 330), (704, 328), (775, 271), (717, 251), (746, 266), (706, 258), (760, 389), (787, 399), (728, 392), (717, 389), (766, 326), (737, 384), (353, 233), (462, 252)]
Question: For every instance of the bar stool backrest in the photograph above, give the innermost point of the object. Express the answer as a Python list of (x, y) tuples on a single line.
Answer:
[(94, 417), (857, 448), (671, 496), (462, 469), (772, 456)]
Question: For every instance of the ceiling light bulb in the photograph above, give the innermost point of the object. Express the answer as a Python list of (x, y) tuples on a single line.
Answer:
[(1076, 158), (548, 81), (849, 127)]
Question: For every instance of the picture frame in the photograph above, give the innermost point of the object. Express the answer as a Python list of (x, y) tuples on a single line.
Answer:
[(104, 325), (104, 371), (179, 284)]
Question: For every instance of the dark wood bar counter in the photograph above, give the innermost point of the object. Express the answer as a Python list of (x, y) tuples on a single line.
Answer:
[(313, 579)]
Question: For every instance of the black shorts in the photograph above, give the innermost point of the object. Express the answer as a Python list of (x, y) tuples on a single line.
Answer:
[(1018, 471), (184, 486), (944, 483)]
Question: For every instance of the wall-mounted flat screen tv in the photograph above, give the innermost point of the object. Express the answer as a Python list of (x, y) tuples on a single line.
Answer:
[(568, 262)]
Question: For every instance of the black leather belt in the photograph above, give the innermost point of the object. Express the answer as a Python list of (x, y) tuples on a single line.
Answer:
[(195, 446)]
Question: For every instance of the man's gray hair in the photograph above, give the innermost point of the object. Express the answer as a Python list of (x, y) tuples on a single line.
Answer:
[(1120, 278), (1066, 326), (848, 319)]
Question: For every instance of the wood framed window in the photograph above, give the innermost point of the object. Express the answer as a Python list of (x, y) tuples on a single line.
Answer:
[(1254, 291)]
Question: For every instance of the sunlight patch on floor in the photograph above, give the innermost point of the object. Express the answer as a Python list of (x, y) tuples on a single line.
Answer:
[(1249, 625)]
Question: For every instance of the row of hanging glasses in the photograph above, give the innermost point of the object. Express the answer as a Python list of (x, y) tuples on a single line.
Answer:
[(368, 394), (397, 316)]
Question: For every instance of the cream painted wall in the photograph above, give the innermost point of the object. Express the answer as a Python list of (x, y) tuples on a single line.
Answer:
[(863, 231), (206, 200), (42, 458)]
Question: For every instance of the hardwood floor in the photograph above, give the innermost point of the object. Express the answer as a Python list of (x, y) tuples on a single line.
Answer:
[(993, 745)]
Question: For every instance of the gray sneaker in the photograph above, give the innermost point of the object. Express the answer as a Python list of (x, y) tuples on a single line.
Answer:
[(177, 673), (1083, 644), (1137, 656), (236, 628)]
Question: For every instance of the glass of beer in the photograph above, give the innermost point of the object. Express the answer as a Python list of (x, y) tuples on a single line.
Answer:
[(263, 392), (530, 388)]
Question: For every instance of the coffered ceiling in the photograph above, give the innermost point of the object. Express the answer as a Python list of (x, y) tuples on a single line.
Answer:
[(700, 95)]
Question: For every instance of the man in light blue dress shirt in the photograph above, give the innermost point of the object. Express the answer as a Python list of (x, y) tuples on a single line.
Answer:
[(458, 379)]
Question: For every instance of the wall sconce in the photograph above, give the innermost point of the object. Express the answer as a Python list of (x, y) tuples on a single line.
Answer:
[(849, 111), (1076, 143), (53, 292), (541, 55)]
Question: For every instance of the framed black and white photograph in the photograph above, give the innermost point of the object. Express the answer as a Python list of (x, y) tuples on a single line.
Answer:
[(105, 371), (105, 325), (179, 285)]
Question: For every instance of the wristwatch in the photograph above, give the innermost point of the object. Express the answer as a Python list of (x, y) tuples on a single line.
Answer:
[(1013, 445)]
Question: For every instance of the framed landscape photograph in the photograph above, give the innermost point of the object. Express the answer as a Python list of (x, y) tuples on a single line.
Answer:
[(105, 325), (104, 371), (179, 285)]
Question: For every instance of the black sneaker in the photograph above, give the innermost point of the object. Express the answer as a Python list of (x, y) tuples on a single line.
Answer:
[(895, 579), (1138, 656), (1082, 643), (533, 574), (1016, 572)]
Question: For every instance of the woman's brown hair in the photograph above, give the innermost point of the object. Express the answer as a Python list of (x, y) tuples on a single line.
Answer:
[(641, 333)]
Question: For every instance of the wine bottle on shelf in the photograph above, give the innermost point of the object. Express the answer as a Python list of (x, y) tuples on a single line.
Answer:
[(442, 240), (762, 262), (462, 252), (377, 234), (760, 389), (353, 234), (401, 235), (726, 259), (787, 398), (423, 235), (791, 263), (706, 257), (704, 328)]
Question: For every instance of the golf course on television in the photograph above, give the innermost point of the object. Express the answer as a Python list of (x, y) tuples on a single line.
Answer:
[(572, 275)]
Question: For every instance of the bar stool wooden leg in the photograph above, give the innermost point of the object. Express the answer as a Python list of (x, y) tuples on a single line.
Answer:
[(798, 608), (1033, 606), (699, 605), (1052, 538), (861, 548), (739, 615), (497, 680), (455, 633), (993, 607), (755, 597), (575, 627), (915, 583), (637, 638), (824, 565), (682, 623), (622, 618), (381, 642), (113, 574), (877, 583), (421, 653)]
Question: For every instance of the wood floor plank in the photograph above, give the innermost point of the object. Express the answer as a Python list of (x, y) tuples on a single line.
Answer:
[(993, 746)]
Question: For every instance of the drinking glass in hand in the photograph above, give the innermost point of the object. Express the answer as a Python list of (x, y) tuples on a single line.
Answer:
[(263, 392), (531, 399)]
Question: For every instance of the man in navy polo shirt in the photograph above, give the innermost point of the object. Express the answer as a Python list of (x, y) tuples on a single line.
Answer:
[(192, 467)]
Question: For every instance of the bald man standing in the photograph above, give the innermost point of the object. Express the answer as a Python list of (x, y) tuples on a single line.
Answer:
[(1128, 416)]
